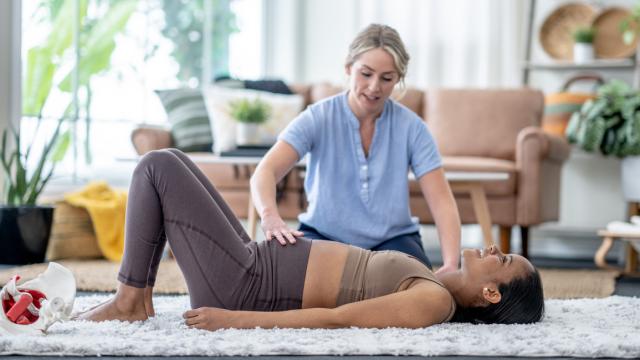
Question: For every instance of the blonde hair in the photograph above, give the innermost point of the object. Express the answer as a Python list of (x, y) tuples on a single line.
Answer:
[(380, 36)]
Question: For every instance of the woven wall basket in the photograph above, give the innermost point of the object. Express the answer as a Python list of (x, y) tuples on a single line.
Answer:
[(556, 33), (608, 43)]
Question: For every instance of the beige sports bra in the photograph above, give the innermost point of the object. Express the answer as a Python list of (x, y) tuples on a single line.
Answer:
[(370, 274)]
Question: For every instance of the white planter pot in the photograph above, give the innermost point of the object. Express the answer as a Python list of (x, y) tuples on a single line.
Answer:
[(583, 53), (631, 178), (247, 134)]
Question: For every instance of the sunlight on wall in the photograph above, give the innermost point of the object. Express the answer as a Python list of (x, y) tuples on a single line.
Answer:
[(246, 47)]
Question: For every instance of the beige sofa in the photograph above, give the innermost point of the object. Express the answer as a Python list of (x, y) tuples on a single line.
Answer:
[(476, 129)]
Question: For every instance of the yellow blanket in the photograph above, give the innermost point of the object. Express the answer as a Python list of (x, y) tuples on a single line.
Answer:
[(106, 208)]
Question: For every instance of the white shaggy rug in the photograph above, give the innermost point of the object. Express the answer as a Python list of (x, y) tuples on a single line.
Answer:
[(607, 327)]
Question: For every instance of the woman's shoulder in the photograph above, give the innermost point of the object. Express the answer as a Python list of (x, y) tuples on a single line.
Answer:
[(440, 299)]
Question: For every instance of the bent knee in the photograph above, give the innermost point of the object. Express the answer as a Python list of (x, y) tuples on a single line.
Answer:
[(156, 159)]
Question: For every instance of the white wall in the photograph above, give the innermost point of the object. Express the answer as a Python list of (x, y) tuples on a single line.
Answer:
[(329, 27), (9, 67), (307, 40), (284, 36), (442, 42)]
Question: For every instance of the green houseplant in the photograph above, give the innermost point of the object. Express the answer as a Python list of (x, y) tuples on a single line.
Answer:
[(610, 125), (249, 114), (583, 44), (629, 26), (584, 35), (24, 225)]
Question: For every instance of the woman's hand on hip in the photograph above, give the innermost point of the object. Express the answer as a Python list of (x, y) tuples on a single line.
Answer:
[(274, 226)]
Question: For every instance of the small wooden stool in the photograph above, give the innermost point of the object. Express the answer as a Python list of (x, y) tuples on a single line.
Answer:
[(631, 261)]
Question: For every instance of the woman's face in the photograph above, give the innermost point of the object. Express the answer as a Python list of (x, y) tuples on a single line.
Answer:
[(489, 265), (372, 78)]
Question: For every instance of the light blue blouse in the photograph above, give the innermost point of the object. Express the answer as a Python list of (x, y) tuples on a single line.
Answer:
[(354, 199)]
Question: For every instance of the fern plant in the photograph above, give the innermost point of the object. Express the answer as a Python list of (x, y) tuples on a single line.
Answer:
[(22, 188)]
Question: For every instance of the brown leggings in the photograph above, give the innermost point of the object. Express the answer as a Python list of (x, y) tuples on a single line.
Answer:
[(170, 199)]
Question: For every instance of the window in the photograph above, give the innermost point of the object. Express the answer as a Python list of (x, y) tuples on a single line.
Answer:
[(96, 63)]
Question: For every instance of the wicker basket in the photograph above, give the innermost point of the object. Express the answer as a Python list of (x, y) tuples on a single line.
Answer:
[(559, 106), (556, 33), (72, 234), (608, 43)]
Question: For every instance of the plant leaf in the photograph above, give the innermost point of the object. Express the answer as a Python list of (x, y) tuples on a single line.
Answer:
[(44, 182), (61, 36), (61, 147), (38, 80), (100, 43), (34, 182)]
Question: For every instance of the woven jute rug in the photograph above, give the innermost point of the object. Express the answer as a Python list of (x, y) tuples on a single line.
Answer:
[(100, 275)]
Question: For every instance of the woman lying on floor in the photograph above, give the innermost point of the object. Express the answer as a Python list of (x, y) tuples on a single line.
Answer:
[(237, 283)]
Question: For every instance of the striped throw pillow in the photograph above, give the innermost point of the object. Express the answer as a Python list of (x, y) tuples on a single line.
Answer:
[(187, 114)]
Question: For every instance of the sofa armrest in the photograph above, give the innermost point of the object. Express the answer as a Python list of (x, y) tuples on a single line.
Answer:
[(558, 148), (533, 142), (539, 160), (146, 138)]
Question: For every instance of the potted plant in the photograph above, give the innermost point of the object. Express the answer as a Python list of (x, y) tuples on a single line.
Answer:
[(24, 225), (249, 114), (610, 124), (583, 44), (629, 26)]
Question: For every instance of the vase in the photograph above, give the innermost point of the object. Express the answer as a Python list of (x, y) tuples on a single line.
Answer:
[(247, 134), (631, 178), (583, 53), (24, 233)]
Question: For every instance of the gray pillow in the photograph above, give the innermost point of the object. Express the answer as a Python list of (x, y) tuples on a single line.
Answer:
[(187, 114)]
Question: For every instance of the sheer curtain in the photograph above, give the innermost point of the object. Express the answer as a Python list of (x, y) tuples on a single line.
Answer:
[(455, 43)]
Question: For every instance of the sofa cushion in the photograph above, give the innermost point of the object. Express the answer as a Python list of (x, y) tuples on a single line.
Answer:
[(411, 98), (304, 90), (482, 123), (474, 164), (188, 117), (283, 109), (324, 90)]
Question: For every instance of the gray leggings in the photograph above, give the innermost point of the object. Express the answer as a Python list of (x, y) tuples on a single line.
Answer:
[(170, 199)]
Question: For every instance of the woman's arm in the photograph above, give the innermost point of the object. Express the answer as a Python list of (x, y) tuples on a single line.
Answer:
[(271, 169), (422, 305), (442, 205)]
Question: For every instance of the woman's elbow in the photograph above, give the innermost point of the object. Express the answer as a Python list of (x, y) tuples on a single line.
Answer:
[(260, 175)]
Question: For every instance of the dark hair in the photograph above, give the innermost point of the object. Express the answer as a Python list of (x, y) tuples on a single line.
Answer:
[(522, 302)]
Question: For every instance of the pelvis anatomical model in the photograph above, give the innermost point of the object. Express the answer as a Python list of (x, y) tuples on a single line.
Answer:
[(31, 307)]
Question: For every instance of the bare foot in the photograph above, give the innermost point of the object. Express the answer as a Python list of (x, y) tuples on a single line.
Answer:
[(126, 305), (148, 301)]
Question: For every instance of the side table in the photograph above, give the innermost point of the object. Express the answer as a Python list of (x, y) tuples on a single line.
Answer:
[(632, 246), (631, 261)]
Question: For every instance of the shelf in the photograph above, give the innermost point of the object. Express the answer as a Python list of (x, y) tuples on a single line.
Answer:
[(569, 65)]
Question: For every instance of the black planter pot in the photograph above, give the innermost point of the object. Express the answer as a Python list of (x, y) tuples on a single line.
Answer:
[(24, 233)]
